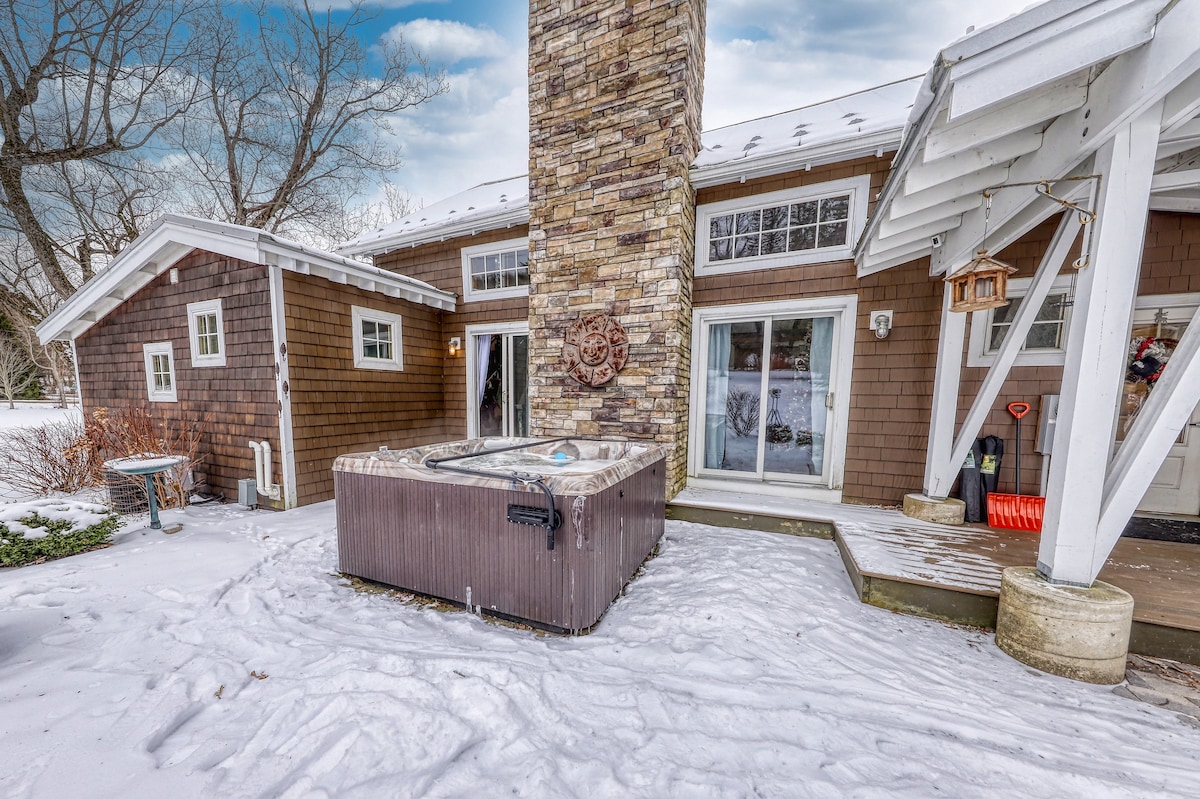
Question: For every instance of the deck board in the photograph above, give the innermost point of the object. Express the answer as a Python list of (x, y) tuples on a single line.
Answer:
[(882, 543)]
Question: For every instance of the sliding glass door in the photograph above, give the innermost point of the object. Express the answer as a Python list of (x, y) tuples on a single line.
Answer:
[(767, 396), (498, 383)]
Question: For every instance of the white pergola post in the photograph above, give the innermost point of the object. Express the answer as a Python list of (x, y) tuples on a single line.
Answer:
[(1097, 345), (944, 413)]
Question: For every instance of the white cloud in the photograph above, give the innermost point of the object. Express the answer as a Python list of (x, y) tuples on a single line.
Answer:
[(445, 42)]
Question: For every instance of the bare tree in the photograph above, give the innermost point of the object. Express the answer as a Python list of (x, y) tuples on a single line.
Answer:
[(17, 372), (81, 81), (290, 124)]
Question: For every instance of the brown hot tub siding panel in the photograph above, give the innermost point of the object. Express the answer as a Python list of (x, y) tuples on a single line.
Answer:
[(441, 538), (239, 398), (337, 408)]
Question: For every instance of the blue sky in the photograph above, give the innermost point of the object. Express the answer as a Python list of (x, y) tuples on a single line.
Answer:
[(762, 57)]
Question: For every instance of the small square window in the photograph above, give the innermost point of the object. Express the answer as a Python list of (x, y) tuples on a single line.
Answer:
[(160, 372), (377, 339), (206, 334)]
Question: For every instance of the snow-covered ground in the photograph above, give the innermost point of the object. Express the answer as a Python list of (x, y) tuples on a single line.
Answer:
[(738, 664), (31, 414)]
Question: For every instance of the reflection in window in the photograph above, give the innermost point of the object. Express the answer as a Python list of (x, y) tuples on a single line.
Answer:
[(794, 227), (500, 270), (1046, 332)]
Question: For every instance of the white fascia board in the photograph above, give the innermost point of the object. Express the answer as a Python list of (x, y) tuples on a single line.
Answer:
[(1084, 37), (345, 271), (1174, 181), (801, 158), (501, 220), (148, 256)]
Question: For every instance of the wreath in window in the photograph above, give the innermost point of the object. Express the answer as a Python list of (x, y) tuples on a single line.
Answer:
[(595, 349), (1148, 355)]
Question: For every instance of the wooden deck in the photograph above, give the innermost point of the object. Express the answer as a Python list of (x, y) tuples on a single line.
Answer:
[(953, 573)]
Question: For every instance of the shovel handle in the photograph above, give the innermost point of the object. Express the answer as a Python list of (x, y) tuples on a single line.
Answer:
[(1018, 409)]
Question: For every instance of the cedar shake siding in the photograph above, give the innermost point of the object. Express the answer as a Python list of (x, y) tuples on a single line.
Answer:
[(238, 399), (440, 264), (892, 381), (337, 408)]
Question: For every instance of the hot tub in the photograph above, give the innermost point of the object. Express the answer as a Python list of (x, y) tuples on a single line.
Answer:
[(469, 522)]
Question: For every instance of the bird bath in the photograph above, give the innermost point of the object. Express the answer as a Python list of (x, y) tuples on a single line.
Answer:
[(147, 465)]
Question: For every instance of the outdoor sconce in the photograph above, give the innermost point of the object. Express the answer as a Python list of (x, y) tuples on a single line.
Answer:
[(173, 276), (881, 323), (455, 345), (981, 284)]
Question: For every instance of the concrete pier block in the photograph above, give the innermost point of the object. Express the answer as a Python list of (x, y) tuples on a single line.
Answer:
[(940, 511), (1080, 633)]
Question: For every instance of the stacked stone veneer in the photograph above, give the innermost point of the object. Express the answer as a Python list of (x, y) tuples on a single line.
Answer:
[(614, 100)]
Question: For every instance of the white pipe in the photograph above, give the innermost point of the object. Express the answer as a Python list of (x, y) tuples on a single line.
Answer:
[(268, 487), (262, 469), (258, 465)]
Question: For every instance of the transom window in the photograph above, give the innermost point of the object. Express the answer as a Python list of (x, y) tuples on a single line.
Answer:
[(492, 271), (377, 339), (804, 225), (160, 372), (780, 228), (206, 333)]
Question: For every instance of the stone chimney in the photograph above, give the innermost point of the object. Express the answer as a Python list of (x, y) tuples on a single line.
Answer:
[(615, 89)]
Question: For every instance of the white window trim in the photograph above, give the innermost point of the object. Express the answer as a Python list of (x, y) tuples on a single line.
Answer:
[(195, 310), (981, 324), (472, 295), (396, 362), (859, 189), (160, 348), (472, 359), (828, 488)]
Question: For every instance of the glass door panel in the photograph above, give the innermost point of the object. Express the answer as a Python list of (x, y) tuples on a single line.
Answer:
[(767, 381), (502, 384), (733, 401)]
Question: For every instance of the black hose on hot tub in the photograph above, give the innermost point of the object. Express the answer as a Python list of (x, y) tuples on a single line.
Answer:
[(525, 478)]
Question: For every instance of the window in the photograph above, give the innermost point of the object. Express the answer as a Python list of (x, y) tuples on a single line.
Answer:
[(376, 339), (783, 228), (206, 333), (1046, 341), (160, 371), (493, 271)]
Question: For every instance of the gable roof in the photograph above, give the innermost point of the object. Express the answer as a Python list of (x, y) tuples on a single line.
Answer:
[(1033, 98), (869, 122), (173, 236)]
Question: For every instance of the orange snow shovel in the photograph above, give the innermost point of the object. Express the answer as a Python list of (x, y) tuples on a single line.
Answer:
[(1016, 511)]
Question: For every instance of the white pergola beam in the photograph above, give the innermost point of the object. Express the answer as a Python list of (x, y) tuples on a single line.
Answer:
[(1174, 181), (1134, 82), (1181, 105), (929, 173), (1097, 345), (1005, 119), (951, 191)]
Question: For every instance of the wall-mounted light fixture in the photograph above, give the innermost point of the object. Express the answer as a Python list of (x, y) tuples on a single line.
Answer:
[(173, 276), (881, 323), (455, 345)]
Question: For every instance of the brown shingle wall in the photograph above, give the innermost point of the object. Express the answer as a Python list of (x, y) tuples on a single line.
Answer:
[(892, 386), (337, 408), (441, 265), (238, 399)]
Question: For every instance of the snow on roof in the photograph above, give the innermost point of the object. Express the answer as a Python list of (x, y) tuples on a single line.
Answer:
[(862, 123), (499, 203), (839, 129), (173, 236)]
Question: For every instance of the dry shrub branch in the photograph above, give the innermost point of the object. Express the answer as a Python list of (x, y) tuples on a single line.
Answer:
[(65, 457)]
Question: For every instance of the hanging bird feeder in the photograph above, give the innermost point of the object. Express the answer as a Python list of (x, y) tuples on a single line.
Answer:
[(981, 284)]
